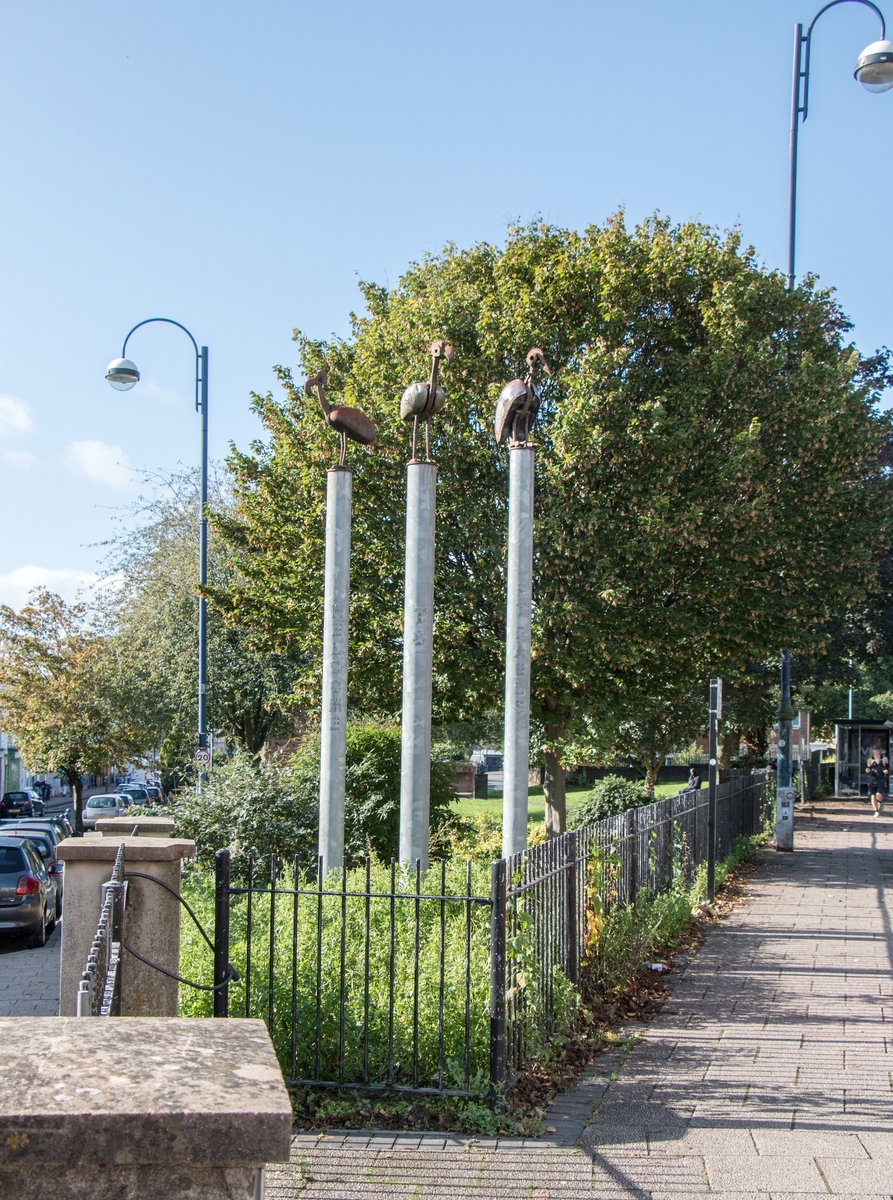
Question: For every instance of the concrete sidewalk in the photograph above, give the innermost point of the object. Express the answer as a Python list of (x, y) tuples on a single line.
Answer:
[(29, 979), (768, 1073)]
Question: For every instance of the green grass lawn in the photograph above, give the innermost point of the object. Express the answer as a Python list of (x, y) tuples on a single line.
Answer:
[(492, 806)]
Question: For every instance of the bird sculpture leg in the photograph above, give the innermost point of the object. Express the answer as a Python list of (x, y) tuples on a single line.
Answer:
[(415, 435), (343, 459), (427, 442)]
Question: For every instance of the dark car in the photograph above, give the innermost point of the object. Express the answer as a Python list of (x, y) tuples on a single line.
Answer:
[(45, 844), (156, 796), (27, 894), (17, 804)]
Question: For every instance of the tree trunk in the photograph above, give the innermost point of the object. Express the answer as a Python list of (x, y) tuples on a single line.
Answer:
[(653, 764), (77, 792), (553, 784)]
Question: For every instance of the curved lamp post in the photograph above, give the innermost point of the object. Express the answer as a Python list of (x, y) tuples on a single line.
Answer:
[(122, 374), (874, 70)]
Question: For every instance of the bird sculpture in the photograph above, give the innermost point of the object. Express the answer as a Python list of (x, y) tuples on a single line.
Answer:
[(519, 402), (349, 422), (421, 401)]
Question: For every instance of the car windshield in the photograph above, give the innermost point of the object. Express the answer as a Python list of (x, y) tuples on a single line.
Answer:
[(102, 802), (11, 860)]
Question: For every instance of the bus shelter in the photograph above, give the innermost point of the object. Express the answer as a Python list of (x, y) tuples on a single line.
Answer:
[(855, 739)]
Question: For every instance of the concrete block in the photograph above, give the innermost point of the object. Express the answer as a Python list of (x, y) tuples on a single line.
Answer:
[(151, 920), (135, 1108)]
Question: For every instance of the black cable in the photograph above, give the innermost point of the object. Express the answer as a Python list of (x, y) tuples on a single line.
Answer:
[(232, 975)]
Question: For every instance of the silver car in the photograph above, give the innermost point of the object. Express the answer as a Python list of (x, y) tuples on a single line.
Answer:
[(27, 895), (99, 808)]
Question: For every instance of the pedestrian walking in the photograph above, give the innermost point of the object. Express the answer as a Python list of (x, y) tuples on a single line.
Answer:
[(878, 773)]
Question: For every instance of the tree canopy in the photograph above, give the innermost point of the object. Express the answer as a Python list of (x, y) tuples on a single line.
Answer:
[(710, 482), (58, 695)]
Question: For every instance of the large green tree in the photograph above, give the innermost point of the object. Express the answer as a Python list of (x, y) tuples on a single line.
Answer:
[(58, 694), (149, 611), (708, 482)]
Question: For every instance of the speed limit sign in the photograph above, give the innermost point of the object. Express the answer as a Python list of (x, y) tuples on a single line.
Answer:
[(202, 758)]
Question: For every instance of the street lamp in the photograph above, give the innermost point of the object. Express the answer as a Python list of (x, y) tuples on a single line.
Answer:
[(874, 70), (122, 374)]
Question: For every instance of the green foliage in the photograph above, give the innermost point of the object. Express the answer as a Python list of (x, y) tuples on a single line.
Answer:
[(260, 807), (609, 797), (251, 806), (59, 696), (366, 963), (674, 485), (150, 621), (372, 788)]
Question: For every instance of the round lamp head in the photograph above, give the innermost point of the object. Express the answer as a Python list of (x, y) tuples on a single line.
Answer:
[(122, 374), (874, 67)]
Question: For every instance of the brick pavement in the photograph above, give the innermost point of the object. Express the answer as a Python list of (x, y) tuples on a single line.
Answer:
[(29, 979), (769, 1073)]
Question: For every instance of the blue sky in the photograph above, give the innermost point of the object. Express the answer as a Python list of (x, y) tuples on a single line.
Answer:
[(238, 167)]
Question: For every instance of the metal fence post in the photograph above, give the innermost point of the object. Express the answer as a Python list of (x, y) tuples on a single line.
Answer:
[(497, 976), (632, 832), (570, 876), (221, 932)]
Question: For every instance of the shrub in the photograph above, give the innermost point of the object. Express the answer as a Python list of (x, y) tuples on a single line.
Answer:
[(609, 797), (258, 807)]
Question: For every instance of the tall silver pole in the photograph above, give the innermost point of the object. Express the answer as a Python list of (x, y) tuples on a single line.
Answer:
[(517, 650), (336, 605), (784, 793), (418, 662)]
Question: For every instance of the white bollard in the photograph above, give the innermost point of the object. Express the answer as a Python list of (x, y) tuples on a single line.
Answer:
[(418, 659), (519, 602), (336, 606)]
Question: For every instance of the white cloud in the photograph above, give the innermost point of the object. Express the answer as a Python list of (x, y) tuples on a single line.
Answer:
[(15, 586), (103, 463), (21, 458), (14, 416)]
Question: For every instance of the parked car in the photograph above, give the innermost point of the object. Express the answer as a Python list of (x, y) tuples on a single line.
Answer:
[(46, 848), (27, 894), (17, 804), (37, 801), (136, 793), (100, 808), (39, 824), (156, 795)]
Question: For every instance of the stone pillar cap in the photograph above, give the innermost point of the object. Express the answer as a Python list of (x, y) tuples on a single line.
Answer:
[(157, 825), (140, 1090), (136, 849)]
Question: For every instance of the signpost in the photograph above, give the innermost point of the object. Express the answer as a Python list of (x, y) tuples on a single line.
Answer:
[(715, 715), (203, 757)]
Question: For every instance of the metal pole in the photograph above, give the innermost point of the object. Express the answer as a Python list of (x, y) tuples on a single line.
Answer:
[(336, 606), (715, 709), (418, 660), (221, 931), (203, 569), (784, 793), (795, 135), (517, 650), (498, 880)]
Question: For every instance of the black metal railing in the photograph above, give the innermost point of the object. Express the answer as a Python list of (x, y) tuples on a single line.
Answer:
[(99, 989), (447, 981)]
